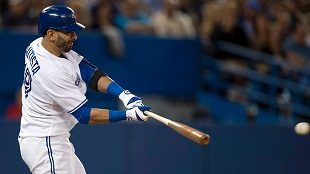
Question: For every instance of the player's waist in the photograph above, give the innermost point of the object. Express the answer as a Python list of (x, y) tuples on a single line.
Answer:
[(44, 128), (21, 136)]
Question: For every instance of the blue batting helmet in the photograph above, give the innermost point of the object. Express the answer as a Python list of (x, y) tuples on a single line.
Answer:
[(58, 17)]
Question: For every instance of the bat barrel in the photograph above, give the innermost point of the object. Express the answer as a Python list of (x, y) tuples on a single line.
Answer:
[(189, 132)]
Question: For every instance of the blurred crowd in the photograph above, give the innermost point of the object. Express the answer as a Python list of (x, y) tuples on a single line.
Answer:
[(276, 27), (164, 17), (271, 26)]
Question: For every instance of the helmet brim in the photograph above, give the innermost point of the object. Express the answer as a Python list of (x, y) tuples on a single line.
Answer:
[(74, 27)]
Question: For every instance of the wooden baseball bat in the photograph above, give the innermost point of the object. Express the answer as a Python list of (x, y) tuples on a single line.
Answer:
[(187, 131)]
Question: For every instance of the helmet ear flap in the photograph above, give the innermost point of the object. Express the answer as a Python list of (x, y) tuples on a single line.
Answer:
[(58, 17)]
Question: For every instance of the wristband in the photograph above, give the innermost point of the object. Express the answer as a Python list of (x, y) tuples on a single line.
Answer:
[(115, 116), (114, 89)]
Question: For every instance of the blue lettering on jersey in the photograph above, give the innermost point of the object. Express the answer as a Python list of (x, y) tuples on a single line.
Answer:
[(27, 81), (32, 59), (34, 67)]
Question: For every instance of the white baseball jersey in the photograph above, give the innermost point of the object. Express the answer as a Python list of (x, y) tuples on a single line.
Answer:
[(52, 89)]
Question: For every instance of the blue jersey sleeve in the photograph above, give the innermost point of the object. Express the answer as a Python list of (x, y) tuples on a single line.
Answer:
[(87, 70), (82, 114)]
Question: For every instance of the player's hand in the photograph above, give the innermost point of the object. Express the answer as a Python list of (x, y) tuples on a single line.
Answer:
[(137, 113), (130, 100)]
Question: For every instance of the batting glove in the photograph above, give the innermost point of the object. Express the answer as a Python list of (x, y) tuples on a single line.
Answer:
[(130, 100), (137, 113)]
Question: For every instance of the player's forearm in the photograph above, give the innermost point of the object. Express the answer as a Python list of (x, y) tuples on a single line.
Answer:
[(99, 116), (103, 83), (104, 116)]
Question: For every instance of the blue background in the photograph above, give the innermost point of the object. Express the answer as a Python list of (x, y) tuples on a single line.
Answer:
[(153, 66)]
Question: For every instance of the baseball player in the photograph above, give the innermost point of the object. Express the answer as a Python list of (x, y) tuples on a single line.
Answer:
[(53, 95)]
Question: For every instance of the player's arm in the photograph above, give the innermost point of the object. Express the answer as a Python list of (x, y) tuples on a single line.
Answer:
[(74, 102), (99, 81), (86, 115)]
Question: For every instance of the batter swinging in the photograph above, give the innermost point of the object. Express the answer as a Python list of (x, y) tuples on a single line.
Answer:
[(53, 95)]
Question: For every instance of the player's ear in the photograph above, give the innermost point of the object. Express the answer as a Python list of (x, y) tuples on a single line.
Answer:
[(51, 34)]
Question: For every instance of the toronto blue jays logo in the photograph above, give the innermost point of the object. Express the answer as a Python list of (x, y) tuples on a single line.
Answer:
[(78, 80)]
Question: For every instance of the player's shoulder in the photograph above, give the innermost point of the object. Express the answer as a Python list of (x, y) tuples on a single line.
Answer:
[(74, 56), (35, 43)]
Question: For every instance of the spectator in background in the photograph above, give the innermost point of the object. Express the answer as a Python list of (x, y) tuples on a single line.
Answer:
[(248, 11), (16, 17), (82, 11), (171, 22), (260, 40), (279, 13), (274, 48), (103, 20), (261, 34), (274, 41), (130, 19), (152, 6), (209, 19), (35, 7), (294, 10), (296, 51), (228, 30), (14, 110), (192, 9)]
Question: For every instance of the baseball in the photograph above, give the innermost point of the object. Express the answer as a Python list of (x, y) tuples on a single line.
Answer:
[(302, 128)]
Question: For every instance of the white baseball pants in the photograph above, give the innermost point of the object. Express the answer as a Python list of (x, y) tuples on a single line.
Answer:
[(50, 155)]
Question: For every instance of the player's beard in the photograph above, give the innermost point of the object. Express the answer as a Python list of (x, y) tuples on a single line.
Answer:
[(63, 44)]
